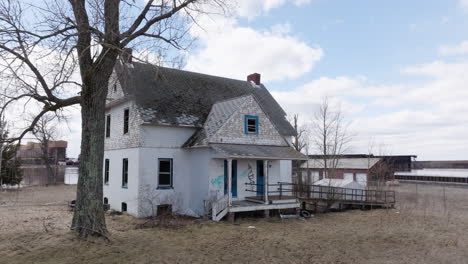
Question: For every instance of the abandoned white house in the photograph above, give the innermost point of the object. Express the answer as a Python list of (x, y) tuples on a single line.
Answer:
[(190, 142)]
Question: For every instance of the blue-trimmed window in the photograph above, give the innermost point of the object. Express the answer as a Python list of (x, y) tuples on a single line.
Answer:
[(165, 174), (251, 125), (125, 173)]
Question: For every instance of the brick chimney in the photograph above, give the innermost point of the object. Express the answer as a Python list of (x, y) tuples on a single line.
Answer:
[(126, 55), (254, 77)]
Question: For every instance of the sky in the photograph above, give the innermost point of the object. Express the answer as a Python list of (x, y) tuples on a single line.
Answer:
[(396, 68)]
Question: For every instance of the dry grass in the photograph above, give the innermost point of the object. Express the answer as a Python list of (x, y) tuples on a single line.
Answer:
[(419, 231)]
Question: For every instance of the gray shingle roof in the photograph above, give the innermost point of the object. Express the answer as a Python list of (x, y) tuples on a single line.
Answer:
[(174, 97), (258, 152)]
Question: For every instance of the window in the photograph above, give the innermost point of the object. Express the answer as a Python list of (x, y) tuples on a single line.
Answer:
[(124, 207), (165, 174), (106, 171), (126, 115), (115, 87), (108, 123), (251, 125), (106, 201), (164, 209), (125, 173)]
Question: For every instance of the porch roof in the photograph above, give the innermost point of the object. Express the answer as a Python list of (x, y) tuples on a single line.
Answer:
[(241, 151)]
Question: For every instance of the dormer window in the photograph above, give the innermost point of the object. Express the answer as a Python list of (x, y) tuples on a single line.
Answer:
[(251, 125)]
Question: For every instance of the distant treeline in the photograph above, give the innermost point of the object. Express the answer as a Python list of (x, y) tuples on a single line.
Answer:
[(448, 164)]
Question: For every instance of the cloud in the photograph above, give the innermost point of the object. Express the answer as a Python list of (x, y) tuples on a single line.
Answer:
[(423, 117), (253, 8), (229, 49), (234, 51), (463, 4), (451, 50)]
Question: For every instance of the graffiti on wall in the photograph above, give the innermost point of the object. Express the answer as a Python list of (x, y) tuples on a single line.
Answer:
[(249, 174), (218, 182)]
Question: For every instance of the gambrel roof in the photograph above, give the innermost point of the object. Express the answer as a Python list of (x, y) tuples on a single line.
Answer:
[(168, 96)]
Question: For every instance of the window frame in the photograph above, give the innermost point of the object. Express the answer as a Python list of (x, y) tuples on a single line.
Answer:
[(106, 171), (171, 174), (246, 125), (108, 125), (126, 120), (125, 173)]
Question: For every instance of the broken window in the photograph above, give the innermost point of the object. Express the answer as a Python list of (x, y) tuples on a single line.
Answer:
[(165, 173), (125, 173), (126, 117), (106, 171), (251, 124), (164, 209), (108, 123)]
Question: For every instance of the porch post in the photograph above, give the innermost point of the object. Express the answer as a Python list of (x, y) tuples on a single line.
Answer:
[(229, 173), (265, 181)]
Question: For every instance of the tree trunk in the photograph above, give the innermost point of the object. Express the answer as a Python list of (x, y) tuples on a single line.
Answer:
[(45, 157), (88, 218)]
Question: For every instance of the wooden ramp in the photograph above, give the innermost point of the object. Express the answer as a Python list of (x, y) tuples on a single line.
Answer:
[(343, 196)]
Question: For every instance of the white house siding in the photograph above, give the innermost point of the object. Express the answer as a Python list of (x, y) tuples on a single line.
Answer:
[(118, 92), (113, 190), (117, 139), (233, 130), (186, 196)]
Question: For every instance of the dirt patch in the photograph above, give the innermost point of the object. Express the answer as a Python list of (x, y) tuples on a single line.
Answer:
[(408, 234)]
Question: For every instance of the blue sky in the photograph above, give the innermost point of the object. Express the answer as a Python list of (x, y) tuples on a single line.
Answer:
[(396, 68)]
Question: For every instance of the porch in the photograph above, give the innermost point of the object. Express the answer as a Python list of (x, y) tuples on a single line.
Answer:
[(274, 198), (248, 169)]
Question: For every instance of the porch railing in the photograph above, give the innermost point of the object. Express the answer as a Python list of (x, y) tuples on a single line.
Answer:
[(220, 208), (284, 190), (339, 194)]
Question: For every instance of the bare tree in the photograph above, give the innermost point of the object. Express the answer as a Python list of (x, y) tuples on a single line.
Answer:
[(299, 144), (44, 44), (45, 131), (330, 136)]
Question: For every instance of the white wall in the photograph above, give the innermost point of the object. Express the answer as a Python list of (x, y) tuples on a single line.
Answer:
[(113, 190)]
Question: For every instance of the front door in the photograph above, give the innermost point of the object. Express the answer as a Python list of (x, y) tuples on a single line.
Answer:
[(260, 177), (234, 179)]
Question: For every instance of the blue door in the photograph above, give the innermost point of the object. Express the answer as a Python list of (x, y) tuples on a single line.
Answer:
[(260, 177), (233, 180)]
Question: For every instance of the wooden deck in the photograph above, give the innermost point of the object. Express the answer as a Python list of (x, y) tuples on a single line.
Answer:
[(246, 205)]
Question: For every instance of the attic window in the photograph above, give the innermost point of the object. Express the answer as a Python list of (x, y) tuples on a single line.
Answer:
[(251, 125), (115, 87)]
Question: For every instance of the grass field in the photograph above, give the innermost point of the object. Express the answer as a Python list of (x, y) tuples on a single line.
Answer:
[(428, 226)]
